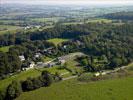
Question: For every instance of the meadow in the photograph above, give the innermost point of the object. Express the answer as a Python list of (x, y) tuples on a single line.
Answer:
[(30, 73), (57, 41), (99, 20), (7, 29), (49, 19), (116, 89)]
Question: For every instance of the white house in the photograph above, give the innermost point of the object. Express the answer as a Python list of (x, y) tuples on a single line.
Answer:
[(31, 66), (97, 74), (103, 73), (22, 58), (37, 55)]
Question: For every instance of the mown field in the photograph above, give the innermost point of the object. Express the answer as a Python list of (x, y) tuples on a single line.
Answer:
[(117, 89), (57, 41)]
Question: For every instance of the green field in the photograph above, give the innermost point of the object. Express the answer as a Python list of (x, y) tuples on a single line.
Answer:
[(5, 48), (52, 19), (57, 41), (6, 29), (99, 20), (30, 73), (117, 89)]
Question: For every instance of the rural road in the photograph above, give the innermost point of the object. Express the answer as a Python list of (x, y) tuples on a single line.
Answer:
[(71, 77)]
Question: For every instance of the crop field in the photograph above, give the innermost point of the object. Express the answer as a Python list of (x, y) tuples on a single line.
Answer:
[(116, 89), (57, 41)]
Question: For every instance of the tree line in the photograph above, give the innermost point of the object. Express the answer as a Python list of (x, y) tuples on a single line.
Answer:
[(120, 15)]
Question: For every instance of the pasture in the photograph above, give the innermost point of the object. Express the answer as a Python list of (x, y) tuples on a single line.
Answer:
[(50, 19), (30, 73), (116, 89), (99, 20), (57, 41), (8, 29)]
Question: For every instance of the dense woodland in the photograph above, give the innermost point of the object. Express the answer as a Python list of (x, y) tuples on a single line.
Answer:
[(120, 15)]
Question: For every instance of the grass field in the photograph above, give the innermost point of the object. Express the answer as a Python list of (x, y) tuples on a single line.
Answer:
[(57, 41), (6, 29), (30, 73), (117, 89), (100, 20), (5, 48), (52, 19)]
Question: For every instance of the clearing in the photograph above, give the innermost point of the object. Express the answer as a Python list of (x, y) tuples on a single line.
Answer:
[(57, 41)]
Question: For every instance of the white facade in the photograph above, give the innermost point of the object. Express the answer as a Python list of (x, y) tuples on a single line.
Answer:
[(22, 58)]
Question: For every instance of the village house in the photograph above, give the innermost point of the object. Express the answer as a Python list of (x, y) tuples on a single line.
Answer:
[(37, 55), (22, 58), (31, 65), (97, 74), (27, 27)]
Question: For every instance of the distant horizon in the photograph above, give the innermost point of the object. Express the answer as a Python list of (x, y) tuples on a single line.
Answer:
[(69, 2)]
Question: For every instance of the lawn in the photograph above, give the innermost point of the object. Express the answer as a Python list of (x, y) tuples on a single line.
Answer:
[(5, 48), (57, 41), (116, 89)]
